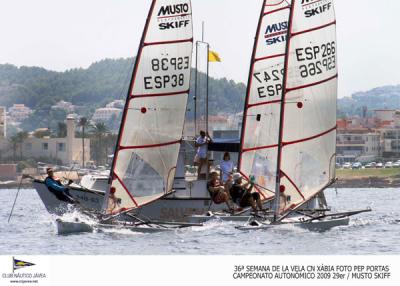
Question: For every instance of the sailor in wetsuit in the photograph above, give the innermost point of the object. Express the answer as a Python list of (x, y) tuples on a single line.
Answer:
[(56, 188)]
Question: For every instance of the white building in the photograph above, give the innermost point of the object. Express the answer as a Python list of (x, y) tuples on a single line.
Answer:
[(19, 112), (68, 150), (116, 104), (385, 114), (391, 143), (3, 125), (64, 105), (361, 145), (105, 114)]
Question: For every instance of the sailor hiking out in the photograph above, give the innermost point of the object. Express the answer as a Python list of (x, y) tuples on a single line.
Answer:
[(55, 187)]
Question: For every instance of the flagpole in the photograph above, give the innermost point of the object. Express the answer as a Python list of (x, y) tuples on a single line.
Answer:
[(202, 31)]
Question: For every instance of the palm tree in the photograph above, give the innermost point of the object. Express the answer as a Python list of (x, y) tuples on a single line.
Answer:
[(21, 137), (83, 123), (99, 132), (14, 145)]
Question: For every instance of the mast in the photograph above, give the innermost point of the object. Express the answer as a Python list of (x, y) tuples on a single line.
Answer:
[(276, 204)]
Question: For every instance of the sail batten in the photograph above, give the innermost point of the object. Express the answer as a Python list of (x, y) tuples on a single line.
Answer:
[(152, 125)]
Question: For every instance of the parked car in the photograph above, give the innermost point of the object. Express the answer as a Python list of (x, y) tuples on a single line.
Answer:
[(396, 165), (369, 166), (379, 165), (389, 165), (347, 166), (356, 165), (338, 166)]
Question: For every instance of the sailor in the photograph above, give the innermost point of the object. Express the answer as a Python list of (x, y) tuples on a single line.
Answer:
[(113, 202), (202, 149), (217, 191), (242, 194), (55, 187)]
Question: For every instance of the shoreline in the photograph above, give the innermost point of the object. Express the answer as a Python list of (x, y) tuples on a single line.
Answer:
[(367, 183)]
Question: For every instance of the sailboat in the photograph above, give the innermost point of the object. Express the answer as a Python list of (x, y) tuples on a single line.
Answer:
[(146, 155), (289, 126)]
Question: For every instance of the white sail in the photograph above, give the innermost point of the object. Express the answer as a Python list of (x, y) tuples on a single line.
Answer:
[(260, 132), (308, 134), (152, 125)]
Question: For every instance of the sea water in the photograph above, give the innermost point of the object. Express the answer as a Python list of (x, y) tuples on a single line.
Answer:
[(32, 232)]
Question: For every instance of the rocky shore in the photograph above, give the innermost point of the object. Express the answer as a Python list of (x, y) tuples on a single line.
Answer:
[(370, 182)]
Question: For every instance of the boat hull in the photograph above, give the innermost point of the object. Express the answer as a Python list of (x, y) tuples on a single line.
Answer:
[(91, 200), (178, 206), (64, 227), (316, 225), (68, 228)]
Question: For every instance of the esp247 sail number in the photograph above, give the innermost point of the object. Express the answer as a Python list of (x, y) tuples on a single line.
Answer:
[(172, 73)]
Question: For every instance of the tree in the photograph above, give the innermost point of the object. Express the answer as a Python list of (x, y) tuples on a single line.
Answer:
[(61, 130), (99, 133), (84, 124), (21, 137), (14, 145)]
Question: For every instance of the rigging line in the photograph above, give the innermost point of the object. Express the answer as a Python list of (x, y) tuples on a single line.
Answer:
[(127, 77), (126, 189)]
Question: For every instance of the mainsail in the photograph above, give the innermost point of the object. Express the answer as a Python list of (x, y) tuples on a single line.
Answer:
[(289, 123), (308, 127), (261, 118), (151, 130)]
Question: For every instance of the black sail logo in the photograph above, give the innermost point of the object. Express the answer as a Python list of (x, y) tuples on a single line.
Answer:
[(173, 16), (316, 7)]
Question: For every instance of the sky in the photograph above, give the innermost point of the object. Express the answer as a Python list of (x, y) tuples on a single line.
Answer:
[(64, 34)]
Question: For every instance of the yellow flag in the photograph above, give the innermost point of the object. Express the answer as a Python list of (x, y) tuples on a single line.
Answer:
[(213, 57)]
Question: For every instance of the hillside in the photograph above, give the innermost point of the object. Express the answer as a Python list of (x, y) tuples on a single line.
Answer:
[(91, 88), (377, 98)]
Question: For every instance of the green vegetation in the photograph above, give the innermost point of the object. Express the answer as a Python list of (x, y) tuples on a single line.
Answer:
[(367, 173)]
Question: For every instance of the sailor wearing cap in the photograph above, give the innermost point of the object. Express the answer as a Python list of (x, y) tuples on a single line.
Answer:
[(242, 194)]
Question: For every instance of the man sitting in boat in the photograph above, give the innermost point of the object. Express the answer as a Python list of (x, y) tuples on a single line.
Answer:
[(202, 149), (242, 194), (217, 191), (55, 187)]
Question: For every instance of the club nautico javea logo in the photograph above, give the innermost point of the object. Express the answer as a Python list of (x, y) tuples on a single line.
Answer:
[(21, 272), (18, 264)]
